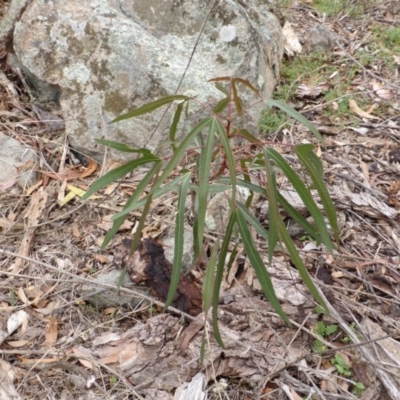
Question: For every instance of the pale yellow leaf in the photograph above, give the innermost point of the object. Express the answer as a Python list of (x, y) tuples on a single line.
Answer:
[(18, 343), (363, 114), (21, 295)]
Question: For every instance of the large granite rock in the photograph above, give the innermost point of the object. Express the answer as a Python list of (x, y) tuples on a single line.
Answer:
[(110, 56)]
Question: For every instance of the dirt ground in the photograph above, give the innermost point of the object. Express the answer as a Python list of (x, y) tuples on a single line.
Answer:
[(63, 346)]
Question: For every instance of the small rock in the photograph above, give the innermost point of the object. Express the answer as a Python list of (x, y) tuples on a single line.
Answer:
[(102, 298), (17, 161)]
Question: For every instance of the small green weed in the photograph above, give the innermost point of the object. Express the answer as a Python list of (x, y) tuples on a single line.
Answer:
[(323, 331), (341, 366)]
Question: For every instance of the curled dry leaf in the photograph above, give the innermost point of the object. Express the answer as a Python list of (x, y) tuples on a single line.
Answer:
[(363, 114), (292, 44), (15, 321)]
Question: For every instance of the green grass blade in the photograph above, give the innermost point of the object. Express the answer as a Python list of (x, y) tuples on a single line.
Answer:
[(173, 185), (149, 107), (214, 188), (134, 197), (123, 147), (117, 173), (204, 182), (179, 240), (236, 98), (219, 275), (209, 279), (247, 84), (246, 177), (247, 135), (259, 267), (222, 89), (180, 151), (252, 220), (298, 218), (298, 262), (229, 158), (221, 105), (272, 206), (296, 115), (304, 194), (174, 125), (247, 185), (313, 167)]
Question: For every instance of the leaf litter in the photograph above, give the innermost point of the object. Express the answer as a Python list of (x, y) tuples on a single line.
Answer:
[(116, 351)]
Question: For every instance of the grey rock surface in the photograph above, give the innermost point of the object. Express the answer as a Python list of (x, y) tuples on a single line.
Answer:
[(11, 15), (110, 56), (17, 161), (102, 298)]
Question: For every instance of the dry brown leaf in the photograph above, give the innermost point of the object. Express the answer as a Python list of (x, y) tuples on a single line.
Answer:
[(18, 343), (381, 91), (90, 169), (75, 231), (37, 185), (109, 310), (365, 169), (51, 332), (294, 394), (21, 295), (363, 114), (38, 360), (35, 214), (84, 353), (100, 258)]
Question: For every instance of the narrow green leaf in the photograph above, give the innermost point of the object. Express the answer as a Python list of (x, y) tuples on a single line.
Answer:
[(247, 135), (174, 125), (259, 267), (298, 218), (232, 258), (132, 206), (209, 279), (138, 234), (247, 178), (222, 89), (223, 136), (298, 262), (296, 115), (180, 150), (220, 271), (118, 172), (179, 240), (236, 99), (214, 188), (134, 197), (149, 107), (220, 79), (252, 220), (314, 169), (304, 193), (123, 147), (204, 182), (272, 206), (247, 185), (221, 105), (247, 84)]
